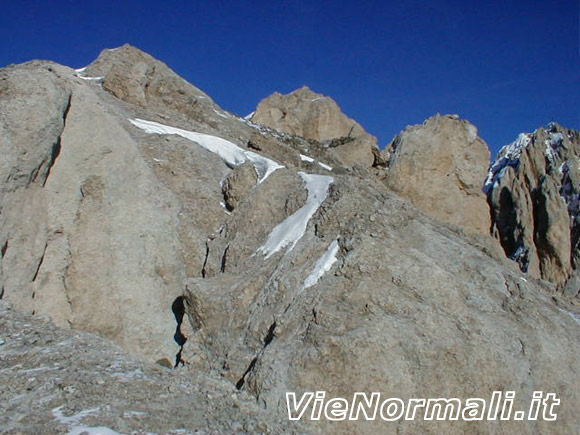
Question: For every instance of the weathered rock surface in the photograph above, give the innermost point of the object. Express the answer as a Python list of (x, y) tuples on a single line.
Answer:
[(428, 314), (101, 222), (439, 166), (166, 236), (314, 116), (61, 381), (533, 190)]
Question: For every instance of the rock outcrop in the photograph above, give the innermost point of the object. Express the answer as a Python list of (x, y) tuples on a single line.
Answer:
[(196, 238), (439, 166), (533, 189), (314, 116)]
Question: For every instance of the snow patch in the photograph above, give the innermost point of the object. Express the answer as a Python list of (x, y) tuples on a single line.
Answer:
[(574, 316), (249, 115), (230, 153), (291, 229), (93, 79), (509, 155), (323, 265), (553, 143), (471, 132), (222, 114), (325, 166), (75, 429), (306, 158)]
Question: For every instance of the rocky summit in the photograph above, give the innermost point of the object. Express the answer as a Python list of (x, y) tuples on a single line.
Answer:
[(170, 267)]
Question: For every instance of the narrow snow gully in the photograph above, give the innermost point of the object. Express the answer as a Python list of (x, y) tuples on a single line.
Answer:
[(291, 229), (230, 153)]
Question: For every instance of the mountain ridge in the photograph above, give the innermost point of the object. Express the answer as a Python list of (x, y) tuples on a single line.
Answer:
[(135, 208)]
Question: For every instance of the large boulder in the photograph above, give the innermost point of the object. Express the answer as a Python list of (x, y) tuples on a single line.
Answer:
[(439, 166)]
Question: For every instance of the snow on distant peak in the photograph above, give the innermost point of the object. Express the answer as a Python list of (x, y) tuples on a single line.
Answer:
[(509, 155), (553, 143), (230, 153), (249, 116), (291, 229), (323, 265)]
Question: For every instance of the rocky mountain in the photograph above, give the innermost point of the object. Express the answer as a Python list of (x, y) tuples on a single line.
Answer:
[(533, 191), (439, 166), (314, 116), (282, 253)]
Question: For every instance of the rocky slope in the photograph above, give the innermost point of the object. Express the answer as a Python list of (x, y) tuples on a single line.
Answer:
[(61, 381), (314, 116), (533, 192), (135, 208)]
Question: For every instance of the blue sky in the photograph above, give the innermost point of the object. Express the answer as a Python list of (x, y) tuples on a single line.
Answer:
[(507, 66)]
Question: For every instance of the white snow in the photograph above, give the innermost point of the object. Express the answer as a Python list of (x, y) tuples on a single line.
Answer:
[(222, 114), (325, 166), (318, 98), (75, 428), (563, 168), (59, 416), (509, 155), (552, 144), (230, 153), (322, 266), (249, 115), (81, 70), (574, 316), (306, 158), (94, 79), (291, 229), (471, 132)]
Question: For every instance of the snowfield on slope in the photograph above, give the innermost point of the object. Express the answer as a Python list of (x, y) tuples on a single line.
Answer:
[(230, 153), (323, 265), (291, 229)]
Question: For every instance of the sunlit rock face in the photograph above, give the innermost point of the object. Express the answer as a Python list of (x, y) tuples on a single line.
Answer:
[(261, 261), (533, 190), (314, 116), (439, 166)]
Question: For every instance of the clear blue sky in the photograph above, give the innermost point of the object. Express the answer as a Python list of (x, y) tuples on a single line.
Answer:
[(507, 66)]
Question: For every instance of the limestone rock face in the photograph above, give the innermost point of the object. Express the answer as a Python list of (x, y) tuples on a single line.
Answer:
[(428, 313), (134, 76), (533, 189), (439, 166), (314, 116)]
